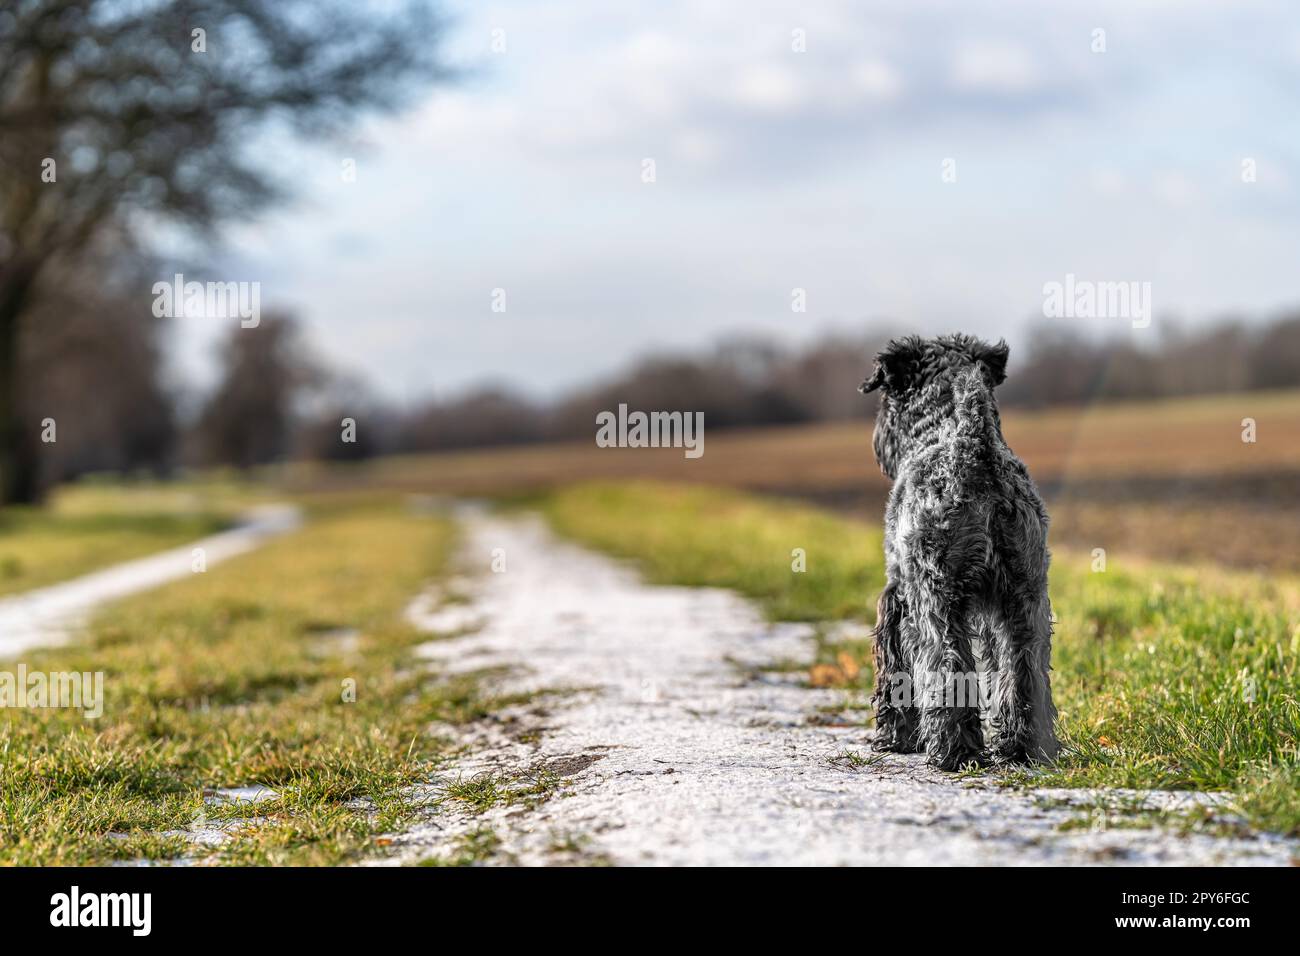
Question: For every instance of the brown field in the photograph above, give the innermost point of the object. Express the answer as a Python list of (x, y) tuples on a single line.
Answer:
[(1169, 479)]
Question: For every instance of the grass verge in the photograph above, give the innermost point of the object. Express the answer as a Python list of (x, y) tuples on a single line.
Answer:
[(86, 527), (242, 676), (1164, 677)]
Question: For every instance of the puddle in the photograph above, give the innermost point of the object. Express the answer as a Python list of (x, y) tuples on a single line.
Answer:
[(203, 833), (251, 794)]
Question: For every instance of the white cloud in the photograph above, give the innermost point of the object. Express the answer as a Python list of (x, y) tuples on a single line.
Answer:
[(994, 66), (877, 79), (1175, 188), (780, 169), (768, 87), (1108, 182), (702, 147)]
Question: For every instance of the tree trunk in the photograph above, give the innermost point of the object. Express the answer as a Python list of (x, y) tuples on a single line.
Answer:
[(18, 460)]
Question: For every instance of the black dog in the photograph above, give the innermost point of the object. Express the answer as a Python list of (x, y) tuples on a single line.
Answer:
[(966, 564)]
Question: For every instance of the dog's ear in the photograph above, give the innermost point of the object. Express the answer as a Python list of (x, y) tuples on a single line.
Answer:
[(994, 360), (874, 381), (895, 366)]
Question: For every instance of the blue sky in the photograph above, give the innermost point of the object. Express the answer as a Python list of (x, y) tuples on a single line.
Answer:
[(779, 169)]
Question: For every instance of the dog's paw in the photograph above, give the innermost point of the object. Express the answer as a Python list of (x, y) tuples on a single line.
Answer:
[(895, 735), (1021, 752), (1007, 751)]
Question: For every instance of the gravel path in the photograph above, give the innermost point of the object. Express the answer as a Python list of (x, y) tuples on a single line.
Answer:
[(677, 748), (48, 615)]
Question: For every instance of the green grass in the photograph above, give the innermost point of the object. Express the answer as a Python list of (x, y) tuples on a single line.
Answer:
[(481, 793), (221, 680), (1164, 677), (686, 534), (472, 849), (86, 527)]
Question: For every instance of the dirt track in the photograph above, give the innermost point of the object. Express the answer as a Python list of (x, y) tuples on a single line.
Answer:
[(680, 749)]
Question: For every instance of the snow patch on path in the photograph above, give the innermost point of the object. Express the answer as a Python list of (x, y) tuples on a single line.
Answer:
[(678, 750)]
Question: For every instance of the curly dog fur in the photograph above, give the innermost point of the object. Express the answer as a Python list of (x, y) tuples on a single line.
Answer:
[(966, 563)]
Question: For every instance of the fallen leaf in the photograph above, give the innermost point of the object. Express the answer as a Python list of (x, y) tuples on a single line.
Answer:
[(850, 666), (826, 675)]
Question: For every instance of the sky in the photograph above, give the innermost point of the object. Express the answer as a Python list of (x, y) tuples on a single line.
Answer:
[(795, 146)]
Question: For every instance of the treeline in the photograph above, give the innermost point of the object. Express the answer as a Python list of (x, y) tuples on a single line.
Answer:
[(741, 382), (97, 384), (756, 382), (1061, 367)]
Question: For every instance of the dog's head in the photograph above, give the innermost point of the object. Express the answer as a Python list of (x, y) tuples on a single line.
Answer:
[(915, 378)]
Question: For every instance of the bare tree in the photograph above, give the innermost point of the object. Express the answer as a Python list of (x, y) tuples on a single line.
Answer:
[(249, 418), (1275, 360), (111, 111), (92, 370), (342, 420)]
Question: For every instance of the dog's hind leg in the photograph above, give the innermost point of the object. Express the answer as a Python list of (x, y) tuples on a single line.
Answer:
[(896, 714), (950, 713), (1024, 716)]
